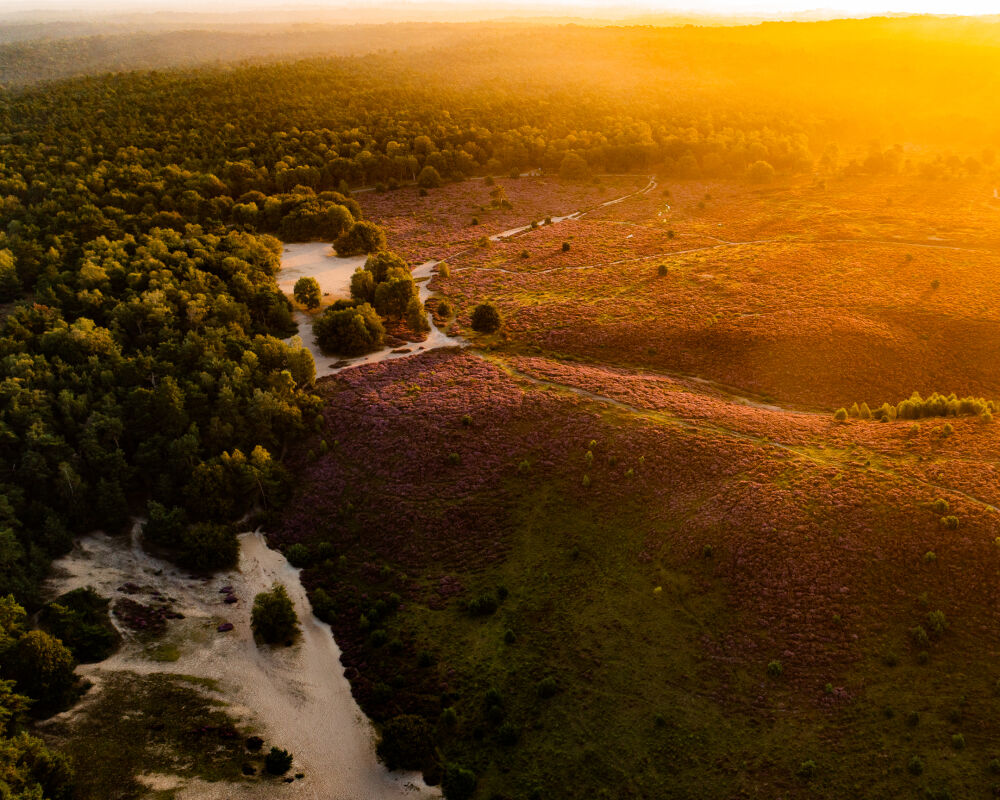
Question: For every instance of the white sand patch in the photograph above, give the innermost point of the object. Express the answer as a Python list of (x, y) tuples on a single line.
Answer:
[(296, 698), (330, 365), (317, 260)]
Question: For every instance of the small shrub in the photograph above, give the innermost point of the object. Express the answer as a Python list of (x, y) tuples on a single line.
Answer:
[(915, 766), (775, 669), (565, 247), (661, 270), (912, 719), (930, 557), (298, 555), (277, 761), (547, 687), (586, 481), (254, 744), (995, 766), (482, 606), (509, 636), (919, 636), (941, 506), (454, 459), (486, 318), (840, 415), (466, 420), (958, 741), (936, 622), (508, 734), (806, 770), (671, 234)]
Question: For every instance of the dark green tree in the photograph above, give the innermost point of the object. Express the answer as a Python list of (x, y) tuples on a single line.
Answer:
[(486, 318), (273, 617), (307, 292)]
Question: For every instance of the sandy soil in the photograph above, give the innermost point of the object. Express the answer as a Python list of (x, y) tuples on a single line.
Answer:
[(317, 260), (312, 259), (296, 697)]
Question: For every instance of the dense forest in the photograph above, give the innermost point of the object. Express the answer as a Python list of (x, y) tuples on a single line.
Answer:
[(143, 362)]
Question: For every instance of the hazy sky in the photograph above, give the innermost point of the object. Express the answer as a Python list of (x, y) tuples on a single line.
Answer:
[(851, 7)]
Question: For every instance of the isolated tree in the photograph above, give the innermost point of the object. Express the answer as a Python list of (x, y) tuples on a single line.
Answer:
[(273, 617), (429, 178), (760, 172), (307, 292), (277, 761), (486, 318)]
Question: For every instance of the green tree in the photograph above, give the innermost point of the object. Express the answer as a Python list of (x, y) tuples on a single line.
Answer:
[(429, 178), (43, 669), (277, 761), (361, 237), (393, 295), (273, 617), (379, 264), (760, 172), (363, 286), (416, 316), (486, 318), (307, 292), (349, 331)]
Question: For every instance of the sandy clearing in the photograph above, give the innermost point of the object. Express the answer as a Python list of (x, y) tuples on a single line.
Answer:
[(331, 365), (297, 697), (317, 260)]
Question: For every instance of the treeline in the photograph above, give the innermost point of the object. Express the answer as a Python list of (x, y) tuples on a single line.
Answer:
[(140, 352), (917, 407)]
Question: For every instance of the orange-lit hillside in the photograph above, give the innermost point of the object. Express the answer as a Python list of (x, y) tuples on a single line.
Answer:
[(622, 398)]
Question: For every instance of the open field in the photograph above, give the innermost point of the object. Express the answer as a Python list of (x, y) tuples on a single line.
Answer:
[(800, 292), (734, 595), (616, 407)]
